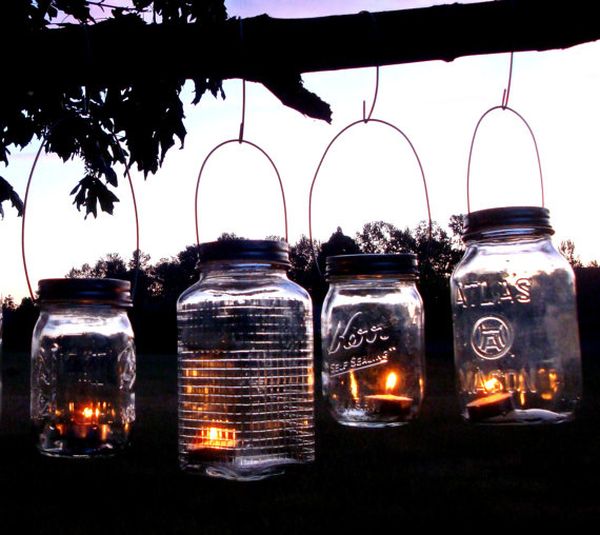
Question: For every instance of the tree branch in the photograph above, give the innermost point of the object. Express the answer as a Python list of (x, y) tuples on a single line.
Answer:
[(114, 52)]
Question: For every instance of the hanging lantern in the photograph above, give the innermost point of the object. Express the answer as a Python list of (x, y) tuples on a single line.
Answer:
[(245, 364), (373, 341), (83, 367), (516, 340)]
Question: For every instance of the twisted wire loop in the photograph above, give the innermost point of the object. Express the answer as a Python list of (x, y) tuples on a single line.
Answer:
[(503, 107), (367, 118), (342, 131), (506, 93), (24, 219)]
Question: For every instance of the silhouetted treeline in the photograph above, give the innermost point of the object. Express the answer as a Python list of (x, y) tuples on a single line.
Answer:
[(157, 286)]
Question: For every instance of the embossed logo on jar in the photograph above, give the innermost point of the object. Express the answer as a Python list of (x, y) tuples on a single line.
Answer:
[(486, 293), (492, 337), (354, 335)]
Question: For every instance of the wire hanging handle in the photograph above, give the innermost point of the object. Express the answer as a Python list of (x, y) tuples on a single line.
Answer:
[(24, 217), (364, 120), (240, 140), (345, 129), (503, 107)]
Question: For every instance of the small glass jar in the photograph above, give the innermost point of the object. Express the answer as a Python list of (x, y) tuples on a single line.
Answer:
[(373, 340), (516, 338), (83, 368), (245, 374)]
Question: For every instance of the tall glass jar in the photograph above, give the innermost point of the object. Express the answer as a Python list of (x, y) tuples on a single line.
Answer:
[(373, 340), (245, 378), (516, 339), (83, 368)]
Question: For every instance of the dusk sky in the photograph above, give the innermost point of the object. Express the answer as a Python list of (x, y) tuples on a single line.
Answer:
[(370, 173)]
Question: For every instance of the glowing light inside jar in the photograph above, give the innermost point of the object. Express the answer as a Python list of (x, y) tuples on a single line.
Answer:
[(215, 437), (353, 387), (493, 385), (391, 381)]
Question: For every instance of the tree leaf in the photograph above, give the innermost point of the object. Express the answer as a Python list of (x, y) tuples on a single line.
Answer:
[(7, 193), (89, 192)]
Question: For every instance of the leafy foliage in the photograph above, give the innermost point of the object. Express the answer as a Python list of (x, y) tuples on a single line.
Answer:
[(7, 193), (89, 192), (105, 126)]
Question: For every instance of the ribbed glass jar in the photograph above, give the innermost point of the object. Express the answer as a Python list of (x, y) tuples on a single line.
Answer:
[(83, 368), (516, 337), (245, 376), (373, 340)]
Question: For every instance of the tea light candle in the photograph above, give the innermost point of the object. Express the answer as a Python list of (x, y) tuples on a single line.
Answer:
[(213, 444), (490, 406), (83, 421), (389, 404)]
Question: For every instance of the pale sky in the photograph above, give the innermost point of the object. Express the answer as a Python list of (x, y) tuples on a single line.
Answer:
[(369, 174)]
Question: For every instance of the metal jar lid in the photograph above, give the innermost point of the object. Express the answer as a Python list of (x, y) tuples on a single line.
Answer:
[(511, 218), (371, 264), (272, 251), (85, 291)]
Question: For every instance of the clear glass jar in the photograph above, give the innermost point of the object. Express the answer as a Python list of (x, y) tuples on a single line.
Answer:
[(373, 340), (516, 337), (83, 368), (245, 374)]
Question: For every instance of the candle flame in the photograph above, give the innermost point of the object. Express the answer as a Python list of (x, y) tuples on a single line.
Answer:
[(353, 387), (391, 381), (493, 385), (88, 412)]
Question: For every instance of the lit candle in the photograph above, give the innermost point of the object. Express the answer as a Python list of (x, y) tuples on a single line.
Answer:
[(88, 421), (389, 404), (496, 404), (213, 443)]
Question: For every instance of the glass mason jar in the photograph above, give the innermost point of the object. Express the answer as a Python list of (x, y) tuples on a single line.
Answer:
[(83, 368), (245, 374), (516, 339), (373, 340)]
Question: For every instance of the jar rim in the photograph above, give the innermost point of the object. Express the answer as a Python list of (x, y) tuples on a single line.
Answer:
[(272, 251), (371, 264), (93, 291), (511, 220)]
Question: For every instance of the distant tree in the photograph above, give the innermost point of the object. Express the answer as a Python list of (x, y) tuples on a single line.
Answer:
[(457, 227), (338, 244), (8, 303), (435, 251), (302, 259), (567, 249), (382, 237), (18, 323), (111, 266), (229, 236)]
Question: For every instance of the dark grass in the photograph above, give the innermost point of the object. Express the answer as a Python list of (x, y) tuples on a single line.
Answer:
[(437, 472)]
